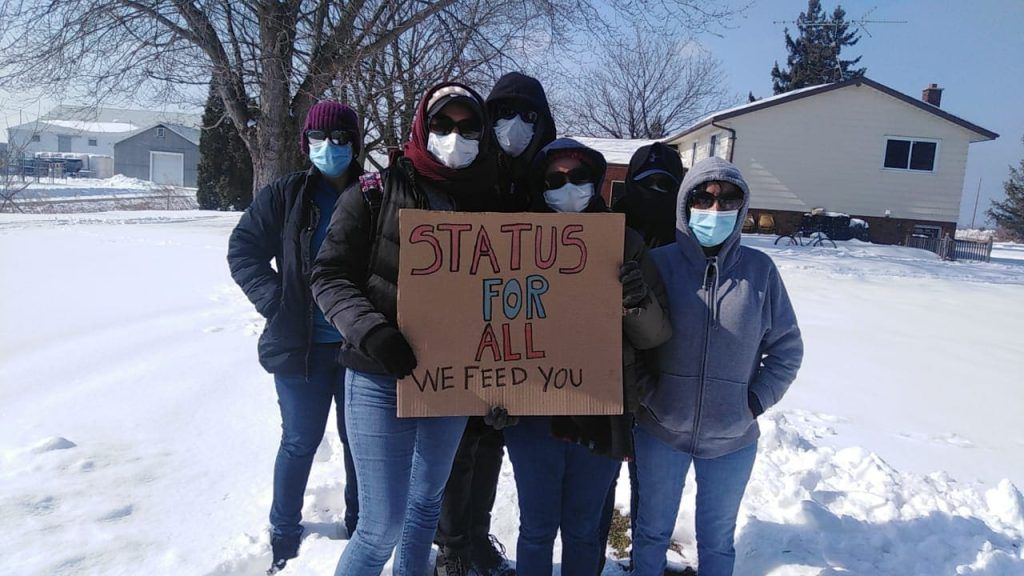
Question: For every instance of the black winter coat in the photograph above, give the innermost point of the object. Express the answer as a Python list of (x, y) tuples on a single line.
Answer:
[(355, 275), (279, 226)]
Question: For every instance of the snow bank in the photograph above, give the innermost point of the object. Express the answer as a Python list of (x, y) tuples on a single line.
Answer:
[(139, 432)]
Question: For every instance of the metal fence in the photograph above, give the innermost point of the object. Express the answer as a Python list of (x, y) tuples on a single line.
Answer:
[(952, 248)]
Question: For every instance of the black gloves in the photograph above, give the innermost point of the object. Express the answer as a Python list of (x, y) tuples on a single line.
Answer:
[(498, 418), (634, 289), (389, 348), (755, 404)]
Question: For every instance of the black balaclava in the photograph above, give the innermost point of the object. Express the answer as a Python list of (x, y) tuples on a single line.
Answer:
[(651, 212)]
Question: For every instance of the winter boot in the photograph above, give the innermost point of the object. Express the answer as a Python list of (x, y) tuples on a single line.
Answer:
[(284, 549), (451, 562), (489, 559)]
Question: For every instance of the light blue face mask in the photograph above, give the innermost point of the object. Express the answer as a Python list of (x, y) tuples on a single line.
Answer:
[(711, 227), (330, 159), (570, 197)]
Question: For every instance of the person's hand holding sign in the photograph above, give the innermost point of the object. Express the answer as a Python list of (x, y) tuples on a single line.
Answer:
[(634, 289), (391, 350)]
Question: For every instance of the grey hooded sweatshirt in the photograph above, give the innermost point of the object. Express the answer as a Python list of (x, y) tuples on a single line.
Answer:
[(733, 330)]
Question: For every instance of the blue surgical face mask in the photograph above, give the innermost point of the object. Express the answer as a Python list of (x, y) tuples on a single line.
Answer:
[(570, 198), (711, 227), (330, 159)]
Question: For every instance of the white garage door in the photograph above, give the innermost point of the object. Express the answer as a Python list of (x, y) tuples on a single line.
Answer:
[(167, 168)]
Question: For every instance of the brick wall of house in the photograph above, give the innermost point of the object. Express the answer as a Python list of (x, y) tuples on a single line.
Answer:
[(882, 230)]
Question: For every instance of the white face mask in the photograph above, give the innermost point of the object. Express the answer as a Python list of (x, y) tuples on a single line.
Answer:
[(453, 150), (570, 198), (513, 134)]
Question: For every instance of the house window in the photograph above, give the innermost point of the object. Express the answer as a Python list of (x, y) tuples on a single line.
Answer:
[(693, 154), (92, 142), (907, 154), (713, 146), (923, 231), (35, 137), (159, 132), (618, 189)]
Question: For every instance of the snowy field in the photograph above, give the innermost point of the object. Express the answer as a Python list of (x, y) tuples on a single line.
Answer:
[(74, 195), (138, 433)]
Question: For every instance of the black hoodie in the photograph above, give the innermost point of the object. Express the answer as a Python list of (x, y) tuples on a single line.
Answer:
[(651, 212), (520, 90)]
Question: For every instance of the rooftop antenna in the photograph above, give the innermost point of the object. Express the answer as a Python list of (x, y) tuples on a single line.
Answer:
[(860, 24)]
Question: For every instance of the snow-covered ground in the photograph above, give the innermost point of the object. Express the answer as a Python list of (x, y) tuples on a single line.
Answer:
[(138, 433), (117, 185), (76, 195)]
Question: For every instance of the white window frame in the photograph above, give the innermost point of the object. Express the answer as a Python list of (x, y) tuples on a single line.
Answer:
[(912, 139), (178, 154), (713, 145), (160, 133), (93, 142)]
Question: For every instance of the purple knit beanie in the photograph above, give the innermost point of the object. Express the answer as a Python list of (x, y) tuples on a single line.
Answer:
[(329, 115)]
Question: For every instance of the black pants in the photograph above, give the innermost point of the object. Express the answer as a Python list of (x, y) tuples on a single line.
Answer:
[(473, 483)]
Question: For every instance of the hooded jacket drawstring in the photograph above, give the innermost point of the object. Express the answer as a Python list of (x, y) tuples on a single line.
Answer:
[(711, 287)]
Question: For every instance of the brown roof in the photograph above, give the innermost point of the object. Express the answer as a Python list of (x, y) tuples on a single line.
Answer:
[(814, 90)]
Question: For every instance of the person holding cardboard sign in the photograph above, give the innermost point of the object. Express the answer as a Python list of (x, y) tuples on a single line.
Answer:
[(735, 350), (565, 464), (523, 125), (404, 463)]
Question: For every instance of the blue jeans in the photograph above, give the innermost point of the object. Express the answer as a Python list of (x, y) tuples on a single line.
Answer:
[(305, 405), (561, 486), (402, 465), (661, 472)]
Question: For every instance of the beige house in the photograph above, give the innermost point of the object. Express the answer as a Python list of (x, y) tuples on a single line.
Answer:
[(856, 147)]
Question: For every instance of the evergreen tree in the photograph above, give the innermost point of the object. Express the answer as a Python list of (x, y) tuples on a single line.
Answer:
[(814, 55), (225, 167), (1009, 214)]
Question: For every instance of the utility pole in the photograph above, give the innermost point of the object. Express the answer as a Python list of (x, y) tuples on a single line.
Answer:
[(976, 197), (861, 23)]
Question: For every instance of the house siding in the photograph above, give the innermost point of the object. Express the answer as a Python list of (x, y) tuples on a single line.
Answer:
[(48, 137), (826, 151), (131, 156)]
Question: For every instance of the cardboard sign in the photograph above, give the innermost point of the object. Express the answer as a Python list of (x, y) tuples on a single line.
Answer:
[(516, 310)]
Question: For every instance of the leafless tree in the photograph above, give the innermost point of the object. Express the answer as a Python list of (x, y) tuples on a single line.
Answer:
[(12, 180), (272, 59), (471, 47), (647, 87)]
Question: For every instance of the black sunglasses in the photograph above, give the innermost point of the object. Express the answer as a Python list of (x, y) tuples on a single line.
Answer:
[(339, 137), (443, 125), (510, 112), (659, 183), (731, 199), (578, 175)]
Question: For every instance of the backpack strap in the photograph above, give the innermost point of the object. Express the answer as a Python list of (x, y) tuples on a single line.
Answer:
[(373, 194)]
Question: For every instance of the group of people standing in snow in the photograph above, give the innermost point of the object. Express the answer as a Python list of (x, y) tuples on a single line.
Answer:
[(710, 341)]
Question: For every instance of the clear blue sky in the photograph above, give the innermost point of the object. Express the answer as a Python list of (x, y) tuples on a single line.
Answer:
[(973, 49)]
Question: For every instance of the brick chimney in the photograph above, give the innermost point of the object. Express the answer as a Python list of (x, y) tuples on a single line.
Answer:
[(932, 95)]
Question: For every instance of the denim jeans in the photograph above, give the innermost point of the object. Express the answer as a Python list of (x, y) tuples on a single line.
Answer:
[(305, 405), (402, 465), (561, 486), (661, 472)]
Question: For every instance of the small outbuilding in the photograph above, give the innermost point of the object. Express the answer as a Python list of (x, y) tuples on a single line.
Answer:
[(163, 154)]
